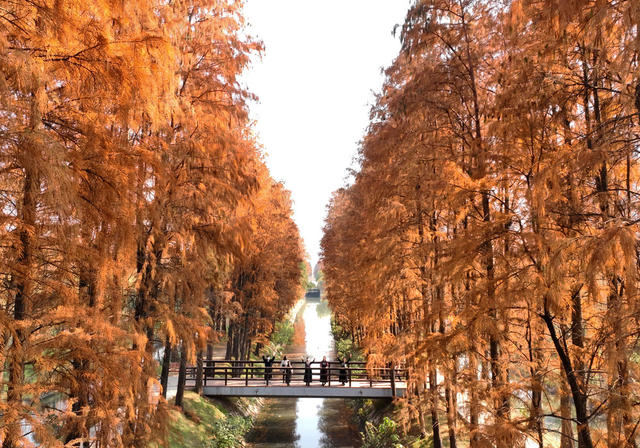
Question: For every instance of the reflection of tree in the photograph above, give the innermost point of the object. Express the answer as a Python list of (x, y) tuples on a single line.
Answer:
[(335, 423), (323, 309), (299, 332), (276, 424)]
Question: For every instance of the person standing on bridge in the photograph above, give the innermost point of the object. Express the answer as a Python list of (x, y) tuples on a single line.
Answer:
[(268, 362), (287, 372), (324, 370), (308, 375), (283, 367), (344, 365)]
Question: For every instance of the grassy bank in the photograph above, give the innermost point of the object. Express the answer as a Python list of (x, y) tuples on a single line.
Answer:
[(211, 423)]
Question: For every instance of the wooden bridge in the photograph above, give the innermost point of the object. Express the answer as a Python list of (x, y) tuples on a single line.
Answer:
[(252, 379)]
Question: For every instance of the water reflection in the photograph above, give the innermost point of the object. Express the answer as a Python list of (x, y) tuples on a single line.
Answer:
[(307, 428), (317, 322), (336, 425), (276, 424)]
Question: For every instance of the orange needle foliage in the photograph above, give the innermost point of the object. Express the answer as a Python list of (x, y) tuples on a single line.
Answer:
[(489, 239), (131, 192)]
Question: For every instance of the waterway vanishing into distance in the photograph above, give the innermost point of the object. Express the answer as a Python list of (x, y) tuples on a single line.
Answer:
[(307, 422)]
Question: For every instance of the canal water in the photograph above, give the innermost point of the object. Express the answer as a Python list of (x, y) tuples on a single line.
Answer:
[(307, 422)]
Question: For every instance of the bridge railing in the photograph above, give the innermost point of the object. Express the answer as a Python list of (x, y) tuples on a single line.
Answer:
[(252, 373)]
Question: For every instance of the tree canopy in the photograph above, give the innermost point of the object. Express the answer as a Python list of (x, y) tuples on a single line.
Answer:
[(134, 203), (489, 239)]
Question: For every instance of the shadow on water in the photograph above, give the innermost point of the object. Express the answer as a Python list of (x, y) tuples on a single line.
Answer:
[(307, 422), (275, 427)]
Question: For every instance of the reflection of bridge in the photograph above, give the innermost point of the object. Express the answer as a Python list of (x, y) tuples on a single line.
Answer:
[(251, 379)]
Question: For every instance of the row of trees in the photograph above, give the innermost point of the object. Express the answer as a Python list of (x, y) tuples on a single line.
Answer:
[(490, 237), (136, 211)]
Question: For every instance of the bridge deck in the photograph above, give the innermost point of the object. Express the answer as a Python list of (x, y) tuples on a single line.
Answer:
[(358, 389), (248, 379), (302, 391)]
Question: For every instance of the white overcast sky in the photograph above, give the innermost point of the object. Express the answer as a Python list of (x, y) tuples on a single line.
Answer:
[(315, 82)]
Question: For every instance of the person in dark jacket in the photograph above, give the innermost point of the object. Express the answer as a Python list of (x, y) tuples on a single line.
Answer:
[(308, 375), (324, 370), (287, 372), (344, 365), (268, 362)]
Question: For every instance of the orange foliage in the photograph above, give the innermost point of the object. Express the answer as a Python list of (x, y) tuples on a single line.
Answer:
[(126, 158), (489, 240)]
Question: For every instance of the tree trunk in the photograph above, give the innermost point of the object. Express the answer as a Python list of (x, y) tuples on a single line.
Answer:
[(580, 399), (435, 422), (566, 437), (536, 379), (21, 308), (76, 430), (230, 333), (247, 348), (182, 375), (474, 405), (199, 372), (232, 345), (450, 379), (536, 405), (638, 99), (421, 422), (501, 403), (166, 364), (619, 409), (452, 404), (573, 375)]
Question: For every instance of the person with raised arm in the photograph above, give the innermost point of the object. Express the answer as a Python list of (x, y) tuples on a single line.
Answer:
[(344, 365), (268, 362), (324, 370), (308, 373)]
